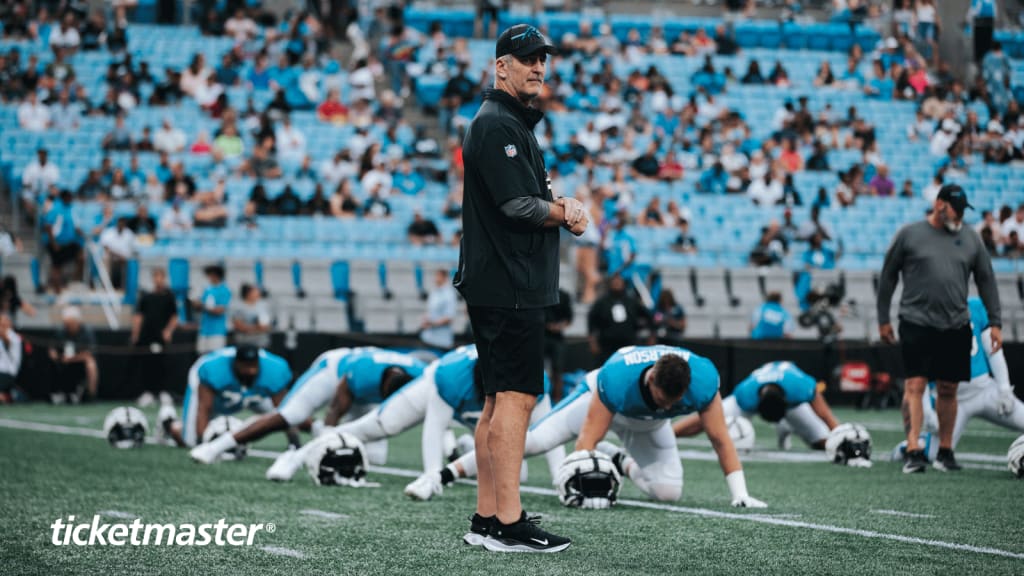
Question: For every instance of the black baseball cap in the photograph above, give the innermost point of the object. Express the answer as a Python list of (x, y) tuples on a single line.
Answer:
[(247, 353), (522, 40), (956, 197)]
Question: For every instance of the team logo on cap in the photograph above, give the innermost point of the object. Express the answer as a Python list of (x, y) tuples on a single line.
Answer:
[(510, 150)]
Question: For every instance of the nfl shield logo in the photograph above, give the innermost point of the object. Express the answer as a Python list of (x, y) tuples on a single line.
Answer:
[(510, 150)]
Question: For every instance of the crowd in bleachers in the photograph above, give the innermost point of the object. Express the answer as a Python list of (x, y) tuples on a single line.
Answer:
[(699, 140)]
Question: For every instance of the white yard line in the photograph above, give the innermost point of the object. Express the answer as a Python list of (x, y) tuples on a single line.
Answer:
[(324, 514), (901, 513), (117, 514), (703, 512), (281, 551)]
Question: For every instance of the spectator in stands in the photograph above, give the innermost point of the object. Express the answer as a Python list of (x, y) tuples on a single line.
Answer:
[(881, 184), (790, 158), (615, 320), (194, 76), (766, 191), (119, 246), (1014, 248), (36, 179), (1015, 224), (818, 256), (118, 188), (332, 110), (881, 86), (10, 357), (213, 306), (74, 359), (824, 77), (685, 242), (422, 231), (250, 319), (168, 138), (176, 219), (65, 115), (262, 164), (228, 145), (11, 302), (143, 225), (290, 142), (378, 178), (651, 215), (344, 203), (931, 191), (176, 179), (436, 328), (908, 189), (119, 137), (770, 248), (376, 207), (714, 180), (753, 75), (94, 32), (288, 202), (944, 138), (338, 168), (241, 27), (211, 211), (669, 317), (779, 77), (318, 203), (33, 115), (620, 247), (65, 38)]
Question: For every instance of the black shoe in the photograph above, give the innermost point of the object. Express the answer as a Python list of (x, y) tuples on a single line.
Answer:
[(479, 530), (914, 461), (523, 536), (946, 461)]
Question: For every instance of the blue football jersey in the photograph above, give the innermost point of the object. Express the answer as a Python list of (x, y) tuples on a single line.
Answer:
[(979, 323), (230, 395), (619, 382), (454, 381), (797, 385), (364, 367)]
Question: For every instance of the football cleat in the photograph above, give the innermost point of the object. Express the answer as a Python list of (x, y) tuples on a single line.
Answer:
[(425, 487), (1015, 457), (225, 425), (285, 466), (588, 479), (125, 427), (850, 445), (915, 462), (946, 461)]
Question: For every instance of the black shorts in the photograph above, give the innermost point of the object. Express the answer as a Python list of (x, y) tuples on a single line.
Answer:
[(510, 348), (936, 354), (63, 254)]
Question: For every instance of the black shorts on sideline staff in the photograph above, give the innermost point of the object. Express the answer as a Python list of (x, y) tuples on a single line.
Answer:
[(510, 348), (936, 354)]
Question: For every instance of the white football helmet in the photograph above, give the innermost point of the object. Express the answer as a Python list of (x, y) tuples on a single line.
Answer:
[(741, 430), (223, 425), (337, 459), (126, 427), (849, 444), (588, 479), (1015, 456)]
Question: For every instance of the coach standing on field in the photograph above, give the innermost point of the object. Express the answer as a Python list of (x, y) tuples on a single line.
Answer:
[(508, 275), (936, 258)]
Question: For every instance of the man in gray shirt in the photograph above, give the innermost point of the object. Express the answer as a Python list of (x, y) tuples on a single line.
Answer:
[(936, 258)]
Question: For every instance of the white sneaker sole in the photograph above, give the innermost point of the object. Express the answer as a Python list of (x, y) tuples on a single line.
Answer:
[(474, 539), (495, 545)]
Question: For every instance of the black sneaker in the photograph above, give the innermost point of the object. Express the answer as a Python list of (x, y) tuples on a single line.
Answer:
[(914, 461), (523, 536), (946, 461), (479, 530)]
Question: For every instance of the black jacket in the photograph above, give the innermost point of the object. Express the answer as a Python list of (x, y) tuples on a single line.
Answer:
[(504, 263)]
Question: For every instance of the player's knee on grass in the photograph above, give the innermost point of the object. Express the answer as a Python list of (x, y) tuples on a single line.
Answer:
[(661, 481), (666, 492)]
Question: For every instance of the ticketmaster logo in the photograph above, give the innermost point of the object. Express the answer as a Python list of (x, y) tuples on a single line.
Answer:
[(138, 534)]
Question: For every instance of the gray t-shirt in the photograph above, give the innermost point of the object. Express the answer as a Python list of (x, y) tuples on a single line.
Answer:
[(259, 314), (936, 265)]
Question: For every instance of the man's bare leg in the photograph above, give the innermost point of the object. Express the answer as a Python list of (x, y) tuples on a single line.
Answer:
[(507, 437)]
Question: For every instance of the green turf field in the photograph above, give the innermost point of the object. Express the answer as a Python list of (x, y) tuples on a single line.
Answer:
[(822, 519)]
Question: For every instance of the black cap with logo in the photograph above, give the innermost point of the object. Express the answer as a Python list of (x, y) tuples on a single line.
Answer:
[(956, 197), (247, 353), (522, 40)]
